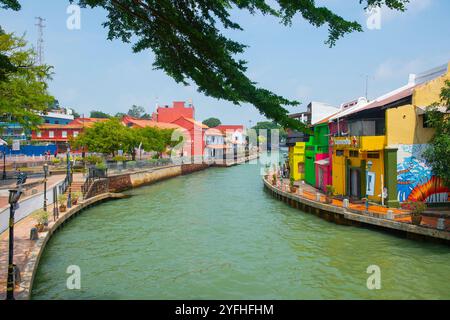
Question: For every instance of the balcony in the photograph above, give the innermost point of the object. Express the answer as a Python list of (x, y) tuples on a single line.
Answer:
[(364, 143)]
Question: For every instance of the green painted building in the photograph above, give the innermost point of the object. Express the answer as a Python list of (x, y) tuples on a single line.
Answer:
[(316, 149)]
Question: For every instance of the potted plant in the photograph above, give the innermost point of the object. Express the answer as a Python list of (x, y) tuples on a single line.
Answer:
[(417, 208), (291, 185), (330, 193), (75, 196), (41, 217), (274, 179), (62, 200)]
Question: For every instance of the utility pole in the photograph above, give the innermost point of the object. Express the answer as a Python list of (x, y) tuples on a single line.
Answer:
[(40, 41)]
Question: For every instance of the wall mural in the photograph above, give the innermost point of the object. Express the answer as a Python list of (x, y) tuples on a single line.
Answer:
[(415, 181)]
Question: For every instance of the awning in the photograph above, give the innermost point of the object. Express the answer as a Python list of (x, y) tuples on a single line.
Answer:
[(323, 162), (423, 109)]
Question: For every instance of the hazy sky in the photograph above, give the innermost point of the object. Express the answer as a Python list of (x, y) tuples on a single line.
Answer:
[(94, 73)]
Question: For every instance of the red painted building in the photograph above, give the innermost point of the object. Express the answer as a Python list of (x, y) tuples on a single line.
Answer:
[(170, 114), (60, 134)]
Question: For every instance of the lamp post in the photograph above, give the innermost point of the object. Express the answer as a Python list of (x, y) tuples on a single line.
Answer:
[(69, 196), (45, 185), (14, 196), (368, 167)]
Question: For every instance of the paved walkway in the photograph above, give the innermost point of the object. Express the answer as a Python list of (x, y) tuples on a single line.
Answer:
[(22, 243), (400, 215), (4, 194)]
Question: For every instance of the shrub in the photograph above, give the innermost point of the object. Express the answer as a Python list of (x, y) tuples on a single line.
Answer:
[(62, 199), (416, 207), (41, 217), (119, 158), (330, 190), (100, 166), (56, 160), (93, 159)]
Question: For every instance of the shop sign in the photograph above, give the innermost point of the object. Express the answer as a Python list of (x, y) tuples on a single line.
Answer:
[(345, 142)]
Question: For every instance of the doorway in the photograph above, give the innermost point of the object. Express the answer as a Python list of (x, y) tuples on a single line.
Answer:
[(355, 183)]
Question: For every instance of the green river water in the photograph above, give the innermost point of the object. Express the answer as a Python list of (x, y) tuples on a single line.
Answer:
[(217, 234)]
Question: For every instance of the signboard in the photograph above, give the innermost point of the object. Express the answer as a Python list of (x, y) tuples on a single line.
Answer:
[(345, 142), (16, 145), (120, 152), (370, 187)]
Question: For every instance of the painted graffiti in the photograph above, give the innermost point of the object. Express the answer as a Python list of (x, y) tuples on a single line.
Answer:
[(415, 180)]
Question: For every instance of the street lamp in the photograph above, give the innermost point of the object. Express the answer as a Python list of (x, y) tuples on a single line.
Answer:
[(368, 167), (14, 196), (45, 185)]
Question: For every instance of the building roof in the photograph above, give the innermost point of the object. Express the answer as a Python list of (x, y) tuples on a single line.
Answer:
[(61, 126), (230, 127), (195, 122), (87, 122), (142, 123)]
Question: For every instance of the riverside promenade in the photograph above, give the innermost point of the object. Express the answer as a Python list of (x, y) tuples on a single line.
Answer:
[(311, 200)]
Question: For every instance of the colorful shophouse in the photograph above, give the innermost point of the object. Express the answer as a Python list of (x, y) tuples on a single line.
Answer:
[(378, 147), (305, 150)]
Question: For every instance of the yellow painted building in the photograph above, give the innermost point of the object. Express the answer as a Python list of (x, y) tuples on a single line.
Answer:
[(297, 160), (350, 159)]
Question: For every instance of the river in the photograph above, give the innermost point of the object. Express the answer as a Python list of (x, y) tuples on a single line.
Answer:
[(217, 234)]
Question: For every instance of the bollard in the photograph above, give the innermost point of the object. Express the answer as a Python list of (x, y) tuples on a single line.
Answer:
[(345, 203), (17, 277), (34, 234), (440, 224), (318, 196), (390, 215)]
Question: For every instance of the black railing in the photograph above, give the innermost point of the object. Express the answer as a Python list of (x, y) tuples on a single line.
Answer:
[(93, 174)]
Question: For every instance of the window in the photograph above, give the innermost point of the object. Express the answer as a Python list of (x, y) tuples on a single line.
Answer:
[(339, 153), (354, 153), (373, 155), (47, 121), (51, 134), (56, 122), (64, 134), (39, 134), (75, 134)]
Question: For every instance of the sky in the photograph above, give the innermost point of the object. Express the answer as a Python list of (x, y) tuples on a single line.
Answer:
[(93, 73)]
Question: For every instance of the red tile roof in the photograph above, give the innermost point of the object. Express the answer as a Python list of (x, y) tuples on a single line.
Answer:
[(142, 123)]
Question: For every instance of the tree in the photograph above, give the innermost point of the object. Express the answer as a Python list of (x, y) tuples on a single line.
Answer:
[(99, 114), (438, 152), (136, 111), (120, 115), (23, 89), (212, 122), (104, 137), (188, 40)]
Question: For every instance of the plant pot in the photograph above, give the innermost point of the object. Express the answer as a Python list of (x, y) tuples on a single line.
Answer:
[(40, 227), (74, 202), (293, 189), (328, 200), (62, 208), (274, 183), (416, 219)]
